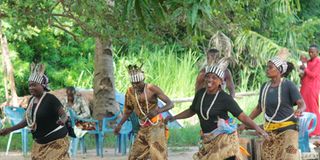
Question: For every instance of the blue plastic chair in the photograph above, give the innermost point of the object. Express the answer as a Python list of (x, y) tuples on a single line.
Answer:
[(74, 141), (121, 142), (129, 131), (304, 130), (15, 116), (123, 138), (106, 128)]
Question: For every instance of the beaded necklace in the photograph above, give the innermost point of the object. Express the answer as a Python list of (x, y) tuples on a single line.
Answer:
[(147, 106), (263, 105), (31, 121), (201, 110)]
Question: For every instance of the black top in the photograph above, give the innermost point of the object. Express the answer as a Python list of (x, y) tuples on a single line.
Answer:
[(289, 96), (223, 104), (47, 117)]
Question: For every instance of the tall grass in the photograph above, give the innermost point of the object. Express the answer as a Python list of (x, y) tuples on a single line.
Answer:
[(247, 104), (174, 74)]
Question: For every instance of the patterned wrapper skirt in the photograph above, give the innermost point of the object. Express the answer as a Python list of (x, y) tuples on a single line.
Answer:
[(219, 148), (55, 150), (282, 145), (150, 143)]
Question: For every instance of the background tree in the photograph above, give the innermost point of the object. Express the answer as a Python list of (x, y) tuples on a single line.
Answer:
[(66, 33), (8, 79)]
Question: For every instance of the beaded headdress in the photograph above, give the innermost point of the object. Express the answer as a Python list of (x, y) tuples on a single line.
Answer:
[(218, 68), (37, 75), (280, 60), (37, 72), (136, 73)]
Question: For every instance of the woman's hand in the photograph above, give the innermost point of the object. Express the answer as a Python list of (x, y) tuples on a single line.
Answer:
[(241, 128), (263, 133), (60, 122), (168, 119), (298, 113)]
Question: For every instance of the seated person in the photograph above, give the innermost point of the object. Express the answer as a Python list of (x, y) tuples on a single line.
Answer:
[(77, 103)]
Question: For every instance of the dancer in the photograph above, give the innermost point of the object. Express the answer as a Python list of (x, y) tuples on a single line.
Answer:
[(142, 98)]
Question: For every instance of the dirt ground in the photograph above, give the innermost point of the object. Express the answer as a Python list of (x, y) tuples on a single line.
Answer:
[(109, 154)]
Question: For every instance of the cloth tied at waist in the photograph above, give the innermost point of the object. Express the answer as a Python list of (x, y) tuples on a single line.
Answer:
[(274, 126)]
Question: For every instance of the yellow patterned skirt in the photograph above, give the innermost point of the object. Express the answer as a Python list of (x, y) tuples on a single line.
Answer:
[(219, 148), (150, 143), (55, 150), (282, 145)]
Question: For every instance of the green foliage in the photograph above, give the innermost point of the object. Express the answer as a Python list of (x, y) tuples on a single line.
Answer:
[(56, 33), (187, 136), (248, 103), (173, 73)]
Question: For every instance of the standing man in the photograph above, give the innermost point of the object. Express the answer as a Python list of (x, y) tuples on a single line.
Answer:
[(212, 58), (310, 85), (142, 98)]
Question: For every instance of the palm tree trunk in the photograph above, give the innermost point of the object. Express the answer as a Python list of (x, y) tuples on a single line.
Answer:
[(8, 67), (103, 87)]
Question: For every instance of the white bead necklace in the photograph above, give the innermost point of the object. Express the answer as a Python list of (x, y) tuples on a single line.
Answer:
[(145, 96), (31, 121), (201, 110), (263, 105), (147, 105)]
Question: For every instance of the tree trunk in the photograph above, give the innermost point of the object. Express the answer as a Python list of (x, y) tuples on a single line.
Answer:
[(8, 67), (103, 87), (5, 80)]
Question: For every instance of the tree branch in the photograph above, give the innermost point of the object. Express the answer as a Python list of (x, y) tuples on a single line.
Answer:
[(79, 22), (60, 24), (75, 37)]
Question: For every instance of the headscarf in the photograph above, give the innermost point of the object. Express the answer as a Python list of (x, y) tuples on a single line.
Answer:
[(281, 65), (280, 60)]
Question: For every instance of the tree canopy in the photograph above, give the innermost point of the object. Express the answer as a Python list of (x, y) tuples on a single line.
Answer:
[(62, 32)]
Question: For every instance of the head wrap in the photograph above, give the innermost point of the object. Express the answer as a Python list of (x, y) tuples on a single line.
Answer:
[(37, 75), (218, 68), (136, 73), (281, 65), (280, 60)]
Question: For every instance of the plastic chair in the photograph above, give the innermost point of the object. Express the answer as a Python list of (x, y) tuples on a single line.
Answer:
[(106, 128), (133, 127), (74, 141), (123, 137), (121, 142), (304, 130), (15, 115)]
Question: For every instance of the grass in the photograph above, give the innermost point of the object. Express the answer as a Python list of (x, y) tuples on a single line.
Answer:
[(247, 104), (173, 73)]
